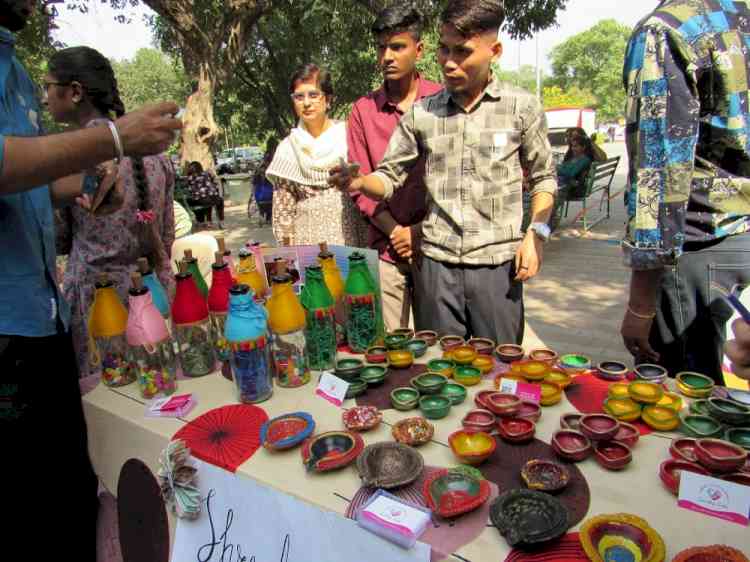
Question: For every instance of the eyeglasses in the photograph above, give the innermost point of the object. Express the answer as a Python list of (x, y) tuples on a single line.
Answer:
[(46, 85), (314, 96)]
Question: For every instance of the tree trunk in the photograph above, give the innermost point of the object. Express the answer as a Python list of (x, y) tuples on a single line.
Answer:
[(199, 128)]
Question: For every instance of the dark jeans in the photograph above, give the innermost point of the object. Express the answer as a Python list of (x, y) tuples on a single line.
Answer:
[(205, 213), (49, 485), (468, 300), (691, 318)]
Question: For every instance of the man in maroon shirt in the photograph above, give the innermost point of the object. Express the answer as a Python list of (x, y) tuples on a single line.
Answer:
[(394, 224)]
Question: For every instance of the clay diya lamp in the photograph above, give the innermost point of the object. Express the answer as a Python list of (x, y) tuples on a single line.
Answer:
[(742, 478), (699, 407), (404, 398), (551, 393), (480, 398), (670, 470), (516, 430), (463, 354), (443, 366), (534, 371), (502, 404), (374, 375), (645, 392), (545, 475), (559, 377), (740, 396), (348, 369), (484, 363), (361, 418), (413, 431), (720, 456), (395, 341), (509, 352), (408, 332), (575, 363), (713, 553), (621, 536), (571, 445), (571, 420), (454, 392), (544, 354), (376, 354), (389, 465), (624, 409), (728, 411), (527, 517), (660, 418), (331, 450), (287, 431), (417, 347), (701, 426), (612, 455), (400, 358), (627, 434), (599, 427), (471, 446), (356, 388), (429, 336), (429, 383), (671, 400), (434, 407), (452, 493), (483, 346), (739, 436), (479, 420), (467, 375), (618, 390), (650, 372), (612, 370), (694, 385), (529, 411), (450, 341), (683, 448)]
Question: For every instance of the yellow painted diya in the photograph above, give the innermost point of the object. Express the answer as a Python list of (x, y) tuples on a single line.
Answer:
[(660, 418), (645, 392), (534, 370), (463, 354), (619, 390), (484, 363), (671, 400), (624, 409), (400, 358), (509, 375), (558, 376), (515, 367), (551, 393)]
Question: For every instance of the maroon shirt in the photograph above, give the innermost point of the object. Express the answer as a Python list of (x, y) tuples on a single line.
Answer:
[(371, 124)]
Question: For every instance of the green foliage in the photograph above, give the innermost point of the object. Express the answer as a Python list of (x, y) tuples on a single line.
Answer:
[(592, 61), (525, 77), (554, 96)]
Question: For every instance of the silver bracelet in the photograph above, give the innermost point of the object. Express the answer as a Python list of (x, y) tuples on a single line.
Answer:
[(118, 142)]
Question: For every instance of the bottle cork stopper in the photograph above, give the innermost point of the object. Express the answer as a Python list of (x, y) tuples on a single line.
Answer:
[(281, 266), (143, 265), (182, 266), (221, 243), (188, 254), (219, 257), (287, 241), (102, 278), (136, 279), (323, 247)]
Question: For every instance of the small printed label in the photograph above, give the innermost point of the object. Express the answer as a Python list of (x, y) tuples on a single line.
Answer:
[(332, 388), (714, 497), (524, 390)]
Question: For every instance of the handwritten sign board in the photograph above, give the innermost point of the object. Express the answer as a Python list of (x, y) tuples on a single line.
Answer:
[(245, 521)]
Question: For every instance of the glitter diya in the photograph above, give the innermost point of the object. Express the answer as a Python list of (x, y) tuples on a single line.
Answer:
[(413, 431), (545, 475), (361, 418)]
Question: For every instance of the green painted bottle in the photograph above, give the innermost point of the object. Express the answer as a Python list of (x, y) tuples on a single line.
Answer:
[(361, 303), (320, 321)]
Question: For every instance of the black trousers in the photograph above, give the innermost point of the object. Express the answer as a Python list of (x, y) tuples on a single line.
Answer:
[(49, 485), (691, 317)]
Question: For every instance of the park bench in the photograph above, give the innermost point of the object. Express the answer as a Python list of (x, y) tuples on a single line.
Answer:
[(598, 179)]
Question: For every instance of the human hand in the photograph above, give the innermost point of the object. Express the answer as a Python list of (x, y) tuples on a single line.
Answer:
[(635, 331), (345, 176), (148, 130), (528, 257), (738, 349), (401, 241), (110, 193)]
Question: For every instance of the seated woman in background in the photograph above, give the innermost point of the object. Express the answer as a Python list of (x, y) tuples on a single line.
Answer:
[(203, 194), (570, 172), (597, 154)]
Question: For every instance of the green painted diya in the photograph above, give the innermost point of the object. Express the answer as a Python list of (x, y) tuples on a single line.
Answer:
[(443, 366), (404, 398), (396, 341), (739, 436), (455, 392), (467, 375), (694, 385), (701, 426), (429, 383), (728, 411), (348, 369), (417, 347), (356, 388), (373, 375), (434, 407), (699, 407)]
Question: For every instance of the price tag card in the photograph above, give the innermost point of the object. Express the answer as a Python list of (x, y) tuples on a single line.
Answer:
[(714, 497), (172, 406), (524, 390), (332, 388)]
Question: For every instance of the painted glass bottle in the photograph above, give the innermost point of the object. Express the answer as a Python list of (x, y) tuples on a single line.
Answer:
[(158, 292), (335, 284), (195, 271), (218, 307), (361, 304), (192, 327), (248, 274), (320, 322)]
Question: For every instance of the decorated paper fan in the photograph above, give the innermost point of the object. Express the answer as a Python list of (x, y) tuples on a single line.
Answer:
[(226, 436)]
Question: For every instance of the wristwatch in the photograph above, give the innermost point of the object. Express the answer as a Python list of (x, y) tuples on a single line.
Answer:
[(541, 229)]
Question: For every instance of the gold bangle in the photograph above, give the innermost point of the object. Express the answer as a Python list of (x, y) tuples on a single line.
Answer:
[(649, 316)]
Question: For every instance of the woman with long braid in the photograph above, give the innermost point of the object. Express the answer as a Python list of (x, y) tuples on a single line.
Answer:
[(81, 90)]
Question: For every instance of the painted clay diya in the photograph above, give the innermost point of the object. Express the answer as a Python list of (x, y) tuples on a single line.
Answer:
[(469, 470), (356, 388), (713, 553), (400, 358), (624, 409), (529, 411), (413, 431), (502, 404), (395, 341), (331, 450), (361, 418), (451, 493), (651, 373), (463, 354), (376, 354), (699, 407), (571, 445), (528, 517), (618, 390), (683, 448), (480, 420), (450, 341), (559, 377), (443, 366), (551, 393), (389, 465), (404, 398), (694, 385), (728, 411), (571, 420), (408, 332), (612, 455), (701, 426), (545, 475), (374, 375), (434, 407), (480, 398), (739, 436), (483, 346), (349, 368), (645, 392), (720, 456), (533, 371), (287, 431), (741, 396), (417, 347), (509, 352), (575, 363), (454, 392), (671, 400), (599, 427), (627, 434), (472, 447), (484, 363), (742, 478), (429, 383), (670, 470), (544, 354), (621, 536), (429, 336), (467, 375), (660, 418), (612, 370), (516, 430)]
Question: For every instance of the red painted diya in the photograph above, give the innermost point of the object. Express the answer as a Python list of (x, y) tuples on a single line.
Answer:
[(362, 418), (571, 445), (683, 448), (599, 427), (450, 341), (712, 553), (530, 411), (571, 420), (480, 420), (516, 430), (480, 398), (509, 352), (450, 494), (543, 354), (376, 354), (545, 475), (720, 456), (612, 455), (670, 470), (483, 346), (502, 404), (286, 431), (428, 336), (331, 450), (738, 478), (627, 434)]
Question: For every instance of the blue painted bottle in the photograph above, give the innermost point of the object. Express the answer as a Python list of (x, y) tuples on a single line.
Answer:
[(158, 293)]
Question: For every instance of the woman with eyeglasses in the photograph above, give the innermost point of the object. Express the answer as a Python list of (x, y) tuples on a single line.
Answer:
[(306, 209)]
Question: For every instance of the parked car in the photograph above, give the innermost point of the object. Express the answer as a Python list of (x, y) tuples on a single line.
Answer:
[(560, 119), (238, 160)]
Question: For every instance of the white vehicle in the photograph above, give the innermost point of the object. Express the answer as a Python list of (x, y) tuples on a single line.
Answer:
[(560, 119)]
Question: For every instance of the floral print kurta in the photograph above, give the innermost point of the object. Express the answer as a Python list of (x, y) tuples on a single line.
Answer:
[(110, 244)]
